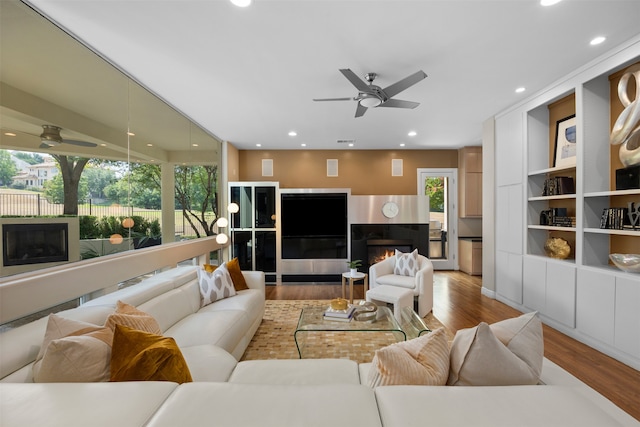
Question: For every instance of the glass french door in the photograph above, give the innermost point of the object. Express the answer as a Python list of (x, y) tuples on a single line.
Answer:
[(442, 188), (253, 227)]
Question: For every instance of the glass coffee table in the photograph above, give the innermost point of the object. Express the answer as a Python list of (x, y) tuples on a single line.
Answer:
[(317, 337)]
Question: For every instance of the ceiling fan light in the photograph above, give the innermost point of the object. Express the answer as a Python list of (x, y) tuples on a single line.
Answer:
[(50, 135), (370, 102)]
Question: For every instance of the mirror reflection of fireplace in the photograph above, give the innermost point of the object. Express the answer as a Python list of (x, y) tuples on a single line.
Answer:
[(34, 243)]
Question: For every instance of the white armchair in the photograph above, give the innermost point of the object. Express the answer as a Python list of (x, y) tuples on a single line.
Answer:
[(381, 273)]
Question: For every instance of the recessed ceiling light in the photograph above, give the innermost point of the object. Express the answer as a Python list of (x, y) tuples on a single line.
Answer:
[(351, 144), (194, 145), (149, 145), (241, 3), (10, 134), (402, 144), (258, 145), (597, 40), (549, 2), (303, 145), (412, 133), (520, 90), (292, 133), (103, 145), (131, 134)]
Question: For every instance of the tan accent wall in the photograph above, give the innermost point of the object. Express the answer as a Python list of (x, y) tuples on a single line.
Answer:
[(233, 165), (365, 172)]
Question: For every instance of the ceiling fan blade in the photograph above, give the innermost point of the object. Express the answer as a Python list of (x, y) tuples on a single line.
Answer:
[(80, 143), (45, 146), (355, 80), (360, 110), (397, 103), (405, 83), (333, 99)]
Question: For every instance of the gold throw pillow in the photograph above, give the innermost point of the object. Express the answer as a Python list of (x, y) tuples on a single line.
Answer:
[(141, 356)]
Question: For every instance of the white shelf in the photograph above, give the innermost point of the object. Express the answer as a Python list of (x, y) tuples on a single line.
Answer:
[(612, 231), (551, 228), (558, 197), (552, 170), (613, 193)]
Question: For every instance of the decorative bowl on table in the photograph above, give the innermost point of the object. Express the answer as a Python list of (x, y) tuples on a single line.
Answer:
[(626, 262), (366, 311)]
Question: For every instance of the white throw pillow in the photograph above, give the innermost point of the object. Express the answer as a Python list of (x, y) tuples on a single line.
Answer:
[(420, 361), (406, 264), (215, 286), (509, 352)]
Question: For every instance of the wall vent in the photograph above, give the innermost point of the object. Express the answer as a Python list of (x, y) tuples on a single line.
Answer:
[(346, 141)]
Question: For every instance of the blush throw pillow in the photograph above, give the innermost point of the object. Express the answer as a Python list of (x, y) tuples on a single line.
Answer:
[(141, 356), (73, 351), (509, 352), (406, 264), (239, 283), (420, 361), (128, 315), (76, 351), (215, 286)]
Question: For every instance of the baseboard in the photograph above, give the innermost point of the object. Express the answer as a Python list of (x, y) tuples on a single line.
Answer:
[(488, 293)]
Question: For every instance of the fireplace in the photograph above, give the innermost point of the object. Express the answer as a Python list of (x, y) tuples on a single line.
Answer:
[(379, 249), (34, 243), (373, 242)]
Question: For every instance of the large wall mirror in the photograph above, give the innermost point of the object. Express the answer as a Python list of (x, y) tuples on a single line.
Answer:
[(52, 86)]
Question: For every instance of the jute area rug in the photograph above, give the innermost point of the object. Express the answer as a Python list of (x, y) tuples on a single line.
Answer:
[(274, 338)]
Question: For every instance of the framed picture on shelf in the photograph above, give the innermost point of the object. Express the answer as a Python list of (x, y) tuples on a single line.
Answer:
[(565, 145)]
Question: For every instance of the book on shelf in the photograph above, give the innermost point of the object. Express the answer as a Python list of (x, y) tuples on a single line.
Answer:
[(340, 314), (614, 219), (558, 186)]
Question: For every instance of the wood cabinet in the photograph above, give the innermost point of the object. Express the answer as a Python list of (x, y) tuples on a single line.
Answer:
[(470, 179), (470, 258)]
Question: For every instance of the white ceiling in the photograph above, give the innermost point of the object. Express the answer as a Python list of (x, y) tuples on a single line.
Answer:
[(249, 75)]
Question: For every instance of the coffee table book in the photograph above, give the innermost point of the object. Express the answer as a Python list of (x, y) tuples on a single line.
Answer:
[(341, 315)]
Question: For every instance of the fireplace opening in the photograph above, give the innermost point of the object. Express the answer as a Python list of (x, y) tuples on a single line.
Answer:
[(379, 249), (371, 241), (34, 243)]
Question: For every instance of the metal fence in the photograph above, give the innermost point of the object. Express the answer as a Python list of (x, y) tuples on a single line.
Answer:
[(16, 204)]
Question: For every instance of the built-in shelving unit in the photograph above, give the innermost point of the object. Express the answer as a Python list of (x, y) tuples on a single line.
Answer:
[(584, 296)]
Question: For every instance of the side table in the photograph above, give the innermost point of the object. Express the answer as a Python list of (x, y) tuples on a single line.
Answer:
[(347, 277)]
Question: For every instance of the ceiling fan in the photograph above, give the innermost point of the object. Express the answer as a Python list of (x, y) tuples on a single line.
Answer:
[(50, 137), (370, 95)]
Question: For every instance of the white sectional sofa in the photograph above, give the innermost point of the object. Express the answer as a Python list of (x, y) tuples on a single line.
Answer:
[(218, 332), (280, 393)]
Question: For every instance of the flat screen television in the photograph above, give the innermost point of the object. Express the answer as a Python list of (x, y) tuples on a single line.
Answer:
[(314, 225)]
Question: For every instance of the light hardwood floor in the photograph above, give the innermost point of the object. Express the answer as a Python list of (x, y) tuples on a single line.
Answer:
[(458, 304)]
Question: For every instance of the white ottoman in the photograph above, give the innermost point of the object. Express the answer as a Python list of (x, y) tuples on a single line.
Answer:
[(399, 297)]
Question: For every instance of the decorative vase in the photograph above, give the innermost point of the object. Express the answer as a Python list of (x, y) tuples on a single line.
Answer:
[(353, 271)]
